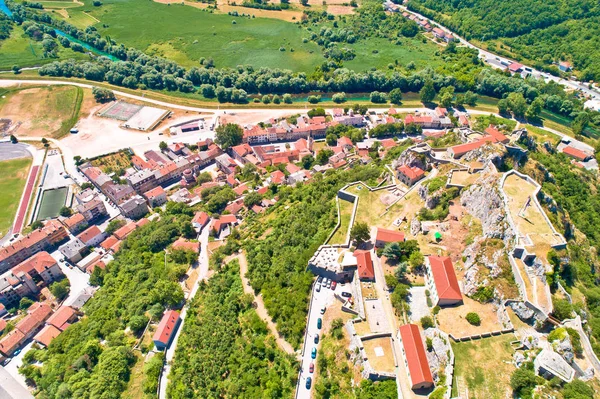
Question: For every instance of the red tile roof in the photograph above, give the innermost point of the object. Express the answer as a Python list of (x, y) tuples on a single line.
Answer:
[(515, 67), (444, 278), (386, 235), (40, 262), (418, 366), (110, 243), (239, 190), (155, 192), (124, 231), (47, 334), (201, 218), (495, 133), (365, 265), (575, 153), (342, 141), (292, 168), (464, 148), (37, 313), (182, 243), (166, 327), (89, 234), (11, 341), (73, 220), (412, 172), (61, 317), (277, 177)]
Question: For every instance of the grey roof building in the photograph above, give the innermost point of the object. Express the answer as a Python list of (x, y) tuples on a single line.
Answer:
[(550, 364)]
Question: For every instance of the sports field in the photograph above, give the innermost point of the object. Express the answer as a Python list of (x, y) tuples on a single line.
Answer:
[(52, 201), (14, 175)]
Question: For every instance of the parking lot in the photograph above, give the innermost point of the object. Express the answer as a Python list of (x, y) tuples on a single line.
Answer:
[(324, 298)]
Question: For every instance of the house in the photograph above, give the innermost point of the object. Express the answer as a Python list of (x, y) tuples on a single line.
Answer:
[(112, 243), (385, 236), (166, 329), (13, 287), (226, 164), (182, 243), (134, 208), (38, 240), (550, 364), (46, 335), (124, 231), (565, 66), (441, 281), (221, 224), (575, 153), (438, 33), (345, 143), (200, 220), (40, 266), (409, 175), (366, 271), (515, 67), (36, 316), (92, 236), (75, 223), (92, 209), (72, 250), (415, 357), (118, 193), (62, 318), (458, 151), (496, 135), (156, 197), (277, 177), (235, 207), (11, 341)]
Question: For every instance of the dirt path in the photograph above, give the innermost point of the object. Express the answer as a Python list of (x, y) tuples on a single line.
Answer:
[(260, 305)]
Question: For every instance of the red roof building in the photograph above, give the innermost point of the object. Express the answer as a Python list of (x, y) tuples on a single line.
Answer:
[(415, 357), (575, 153), (364, 262), (459, 150), (496, 135), (124, 231), (385, 236), (409, 175), (515, 67), (91, 236), (11, 342), (36, 315), (166, 329), (182, 243), (200, 220), (277, 177), (62, 318), (46, 335), (442, 282), (112, 243)]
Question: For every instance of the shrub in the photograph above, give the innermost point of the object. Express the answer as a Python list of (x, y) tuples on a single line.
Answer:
[(426, 322), (473, 318)]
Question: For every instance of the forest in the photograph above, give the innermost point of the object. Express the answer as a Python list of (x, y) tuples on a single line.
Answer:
[(277, 261), (93, 357), (225, 349), (542, 31)]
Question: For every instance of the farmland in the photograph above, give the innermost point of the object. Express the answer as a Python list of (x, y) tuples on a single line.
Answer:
[(11, 186)]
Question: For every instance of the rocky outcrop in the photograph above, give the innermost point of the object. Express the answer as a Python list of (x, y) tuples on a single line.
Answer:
[(411, 158), (483, 201), (431, 199), (523, 312), (415, 227)]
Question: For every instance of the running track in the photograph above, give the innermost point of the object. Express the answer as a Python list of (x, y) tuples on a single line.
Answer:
[(18, 226)]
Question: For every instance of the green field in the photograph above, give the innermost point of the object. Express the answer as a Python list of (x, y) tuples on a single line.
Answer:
[(52, 201), (14, 175), (346, 214), (20, 50), (186, 34)]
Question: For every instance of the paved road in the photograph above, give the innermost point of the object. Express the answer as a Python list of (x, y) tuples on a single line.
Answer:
[(13, 367), (9, 150), (324, 298), (202, 275), (260, 305), (484, 54), (78, 279)]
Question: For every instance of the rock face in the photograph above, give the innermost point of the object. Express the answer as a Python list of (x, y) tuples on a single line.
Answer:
[(431, 199), (522, 311), (411, 158), (483, 201), (415, 227)]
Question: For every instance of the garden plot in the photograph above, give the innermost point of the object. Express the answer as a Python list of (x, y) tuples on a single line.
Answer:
[(452, 319)]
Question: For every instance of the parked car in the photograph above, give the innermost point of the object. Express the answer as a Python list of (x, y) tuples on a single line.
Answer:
[(346, 294), (15, 353), (319, 323), (329, 284), (323, 309), (318, 287), (308, 382), (316, 338), (320, 279), (311, 368), (333, 285), (313, 353)]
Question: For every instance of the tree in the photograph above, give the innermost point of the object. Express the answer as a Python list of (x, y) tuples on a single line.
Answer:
[(13, 139), (470, 98), (427, 92), (304, 2), (391, 282), (580, 123), (331, 139), (378, 97), (339, 98), (562, 309), (207, 90), (446, 95), (16, 70), (396, 96), (163, 146), (308, 161), (60, 289), (102, 95), (114, 225), (316, 112), (427, 322), (517, 104), (138, 323), (502, 106), (522, 381), (360, 232), (252, 199), (473, 318), (65, 211), (25, 303), (534, 109), (229, 135), (37, 225), (416, 259), (45, 142), (287, 98), (577, 389)]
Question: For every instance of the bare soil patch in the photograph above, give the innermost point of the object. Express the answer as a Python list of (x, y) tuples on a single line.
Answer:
[(380, 354), (452, 319)]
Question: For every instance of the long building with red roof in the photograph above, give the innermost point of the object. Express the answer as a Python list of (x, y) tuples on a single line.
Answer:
[(415, 358), (442, 282), (364, 263), (385, 236), (166, 329), (575, 153)]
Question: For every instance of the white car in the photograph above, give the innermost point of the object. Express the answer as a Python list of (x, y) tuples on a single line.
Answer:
[(318, 287)]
